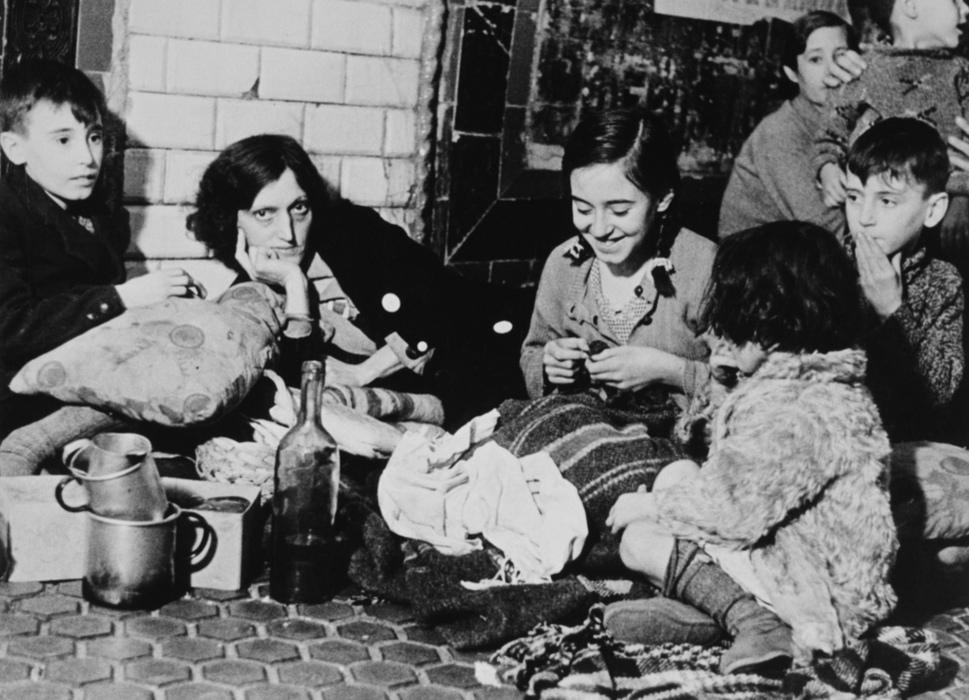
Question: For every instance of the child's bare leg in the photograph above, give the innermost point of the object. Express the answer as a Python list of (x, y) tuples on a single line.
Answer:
[(674, 472), (646, 549)]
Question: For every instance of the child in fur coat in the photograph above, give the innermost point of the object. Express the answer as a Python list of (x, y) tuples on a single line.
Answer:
[(787, 525)]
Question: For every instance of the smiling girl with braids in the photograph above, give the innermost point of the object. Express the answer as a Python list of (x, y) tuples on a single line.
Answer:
[(613, 352), (631, 279)]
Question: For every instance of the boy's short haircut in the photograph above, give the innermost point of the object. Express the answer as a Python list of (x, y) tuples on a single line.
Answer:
[(798, 33), (27, 83), (787, 285), (880, 13), (904, 148)]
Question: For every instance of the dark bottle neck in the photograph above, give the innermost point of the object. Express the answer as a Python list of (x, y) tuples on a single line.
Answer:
[(312, 390)]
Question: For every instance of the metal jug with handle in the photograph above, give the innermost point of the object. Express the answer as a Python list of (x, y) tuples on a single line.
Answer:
[(119, 475)]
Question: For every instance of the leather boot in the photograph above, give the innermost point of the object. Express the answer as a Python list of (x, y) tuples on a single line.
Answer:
[(762, 643), (653, 621)]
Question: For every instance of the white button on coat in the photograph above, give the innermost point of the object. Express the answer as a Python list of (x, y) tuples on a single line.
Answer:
[(390, 302)]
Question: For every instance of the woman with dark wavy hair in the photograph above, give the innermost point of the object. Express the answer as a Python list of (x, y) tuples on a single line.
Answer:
[(398, 316)]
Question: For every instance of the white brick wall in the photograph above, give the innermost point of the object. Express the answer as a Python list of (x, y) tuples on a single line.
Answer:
[(377, 181), (159, 232), (240, 118), (353, 26), (401, 133), (344, 129), (304, 76), (210, 68), (408, 32), (340, 76), (183, 170), (146, 63), (266, 22), (189, 19), (373, 80), (329, 167), (171, 121)]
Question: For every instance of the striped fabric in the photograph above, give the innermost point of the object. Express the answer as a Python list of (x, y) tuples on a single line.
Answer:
[(603, 450), (385, 404)]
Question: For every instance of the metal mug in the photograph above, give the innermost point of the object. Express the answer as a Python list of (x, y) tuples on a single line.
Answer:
[(106, 453), (121, 479), (131, 564)]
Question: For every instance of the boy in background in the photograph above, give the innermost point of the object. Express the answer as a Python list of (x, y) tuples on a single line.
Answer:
[(896, 187), (61, 248)]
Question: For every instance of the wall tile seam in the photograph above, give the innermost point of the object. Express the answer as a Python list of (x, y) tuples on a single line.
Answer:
[(255, 100), (385, 134), (164, 152), (262, 41), (276, 47), (310, 103), (220, 104)]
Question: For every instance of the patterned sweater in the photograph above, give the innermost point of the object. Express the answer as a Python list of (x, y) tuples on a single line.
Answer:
[(930, 84), (915, 357)]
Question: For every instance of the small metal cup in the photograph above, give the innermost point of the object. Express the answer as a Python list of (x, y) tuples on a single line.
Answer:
[(133, 492), (106, 453), (131, 564)]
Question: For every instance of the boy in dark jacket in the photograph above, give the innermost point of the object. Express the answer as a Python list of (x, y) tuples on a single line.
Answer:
[(61, 249)]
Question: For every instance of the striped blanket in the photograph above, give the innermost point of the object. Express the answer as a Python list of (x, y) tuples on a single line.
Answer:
[(603, 449)]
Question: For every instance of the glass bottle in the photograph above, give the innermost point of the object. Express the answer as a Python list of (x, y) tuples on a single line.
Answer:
[(307, 480)]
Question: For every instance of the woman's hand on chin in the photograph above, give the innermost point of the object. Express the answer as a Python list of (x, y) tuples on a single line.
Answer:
[(264, 264), (632, 367)]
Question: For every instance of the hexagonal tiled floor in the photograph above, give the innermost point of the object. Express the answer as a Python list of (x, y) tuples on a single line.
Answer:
[(216, 645)]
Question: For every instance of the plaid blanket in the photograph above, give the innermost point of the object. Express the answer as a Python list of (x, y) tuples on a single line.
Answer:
[(585, 663)]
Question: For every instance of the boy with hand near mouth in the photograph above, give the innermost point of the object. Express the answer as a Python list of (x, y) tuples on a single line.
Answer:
[(896, 179), (61, 249)]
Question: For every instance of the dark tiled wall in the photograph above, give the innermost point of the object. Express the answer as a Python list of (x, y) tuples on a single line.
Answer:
[(520, 73)]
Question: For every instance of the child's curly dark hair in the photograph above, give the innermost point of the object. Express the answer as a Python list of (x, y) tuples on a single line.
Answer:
[(233, 180), (787, 285)]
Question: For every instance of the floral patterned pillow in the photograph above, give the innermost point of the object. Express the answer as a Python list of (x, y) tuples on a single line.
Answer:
[(179, 362), (930, 490)]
